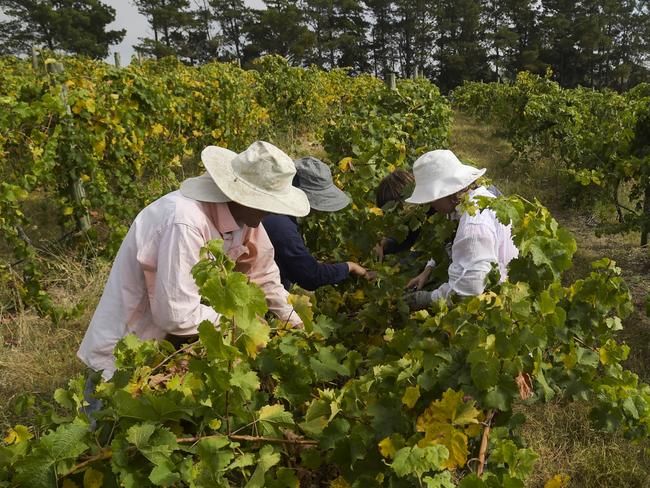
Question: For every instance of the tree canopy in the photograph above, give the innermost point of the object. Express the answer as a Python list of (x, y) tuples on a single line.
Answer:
[(594, 43), (73, 26)]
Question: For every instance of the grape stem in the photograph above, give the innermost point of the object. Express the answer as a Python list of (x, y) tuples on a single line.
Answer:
[(484, 442), (252, 438), (108, 453)]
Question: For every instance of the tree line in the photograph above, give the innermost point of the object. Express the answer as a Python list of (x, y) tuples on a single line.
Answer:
[(595, 43)]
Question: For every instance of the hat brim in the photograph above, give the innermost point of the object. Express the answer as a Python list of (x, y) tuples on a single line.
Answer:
[(433, 191), (217, 162), (204, 189), (331, 199)]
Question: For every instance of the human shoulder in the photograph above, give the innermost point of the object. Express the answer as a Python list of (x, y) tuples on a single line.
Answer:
[(485, 216), (174, 208), (279, 223)]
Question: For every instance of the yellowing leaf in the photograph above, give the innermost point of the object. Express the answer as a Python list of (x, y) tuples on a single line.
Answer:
[(93, 478), (36, 151), (99, 146), (377, 211), (447, 422), (157, 129), (453, 439), (411, 396), (558, 481), (215, 424), (612, 353), (68, 210), (450, 409), (89, 104), (339, 483), (275, 414), (387, 448), (18, 434), (345, 164)]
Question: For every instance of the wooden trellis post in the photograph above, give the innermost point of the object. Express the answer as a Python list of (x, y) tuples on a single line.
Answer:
[(76, 188), (35, 57), (391, 80)]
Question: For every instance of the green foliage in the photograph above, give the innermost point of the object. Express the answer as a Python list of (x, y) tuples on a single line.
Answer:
[(132, 134), (367, 394), (352, 399), (597, 138), (378, 132)]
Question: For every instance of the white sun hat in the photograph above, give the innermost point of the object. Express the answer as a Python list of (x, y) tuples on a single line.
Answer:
[(439, 174), (260, 177)]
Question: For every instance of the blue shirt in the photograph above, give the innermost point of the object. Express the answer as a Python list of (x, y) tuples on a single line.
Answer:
[(296, 263)]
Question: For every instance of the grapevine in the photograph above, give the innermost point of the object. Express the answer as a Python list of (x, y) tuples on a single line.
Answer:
[(368, 394)]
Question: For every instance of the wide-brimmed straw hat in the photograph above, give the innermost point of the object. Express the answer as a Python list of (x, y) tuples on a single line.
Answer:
[(260, 177), (315, 179), (439, 174)]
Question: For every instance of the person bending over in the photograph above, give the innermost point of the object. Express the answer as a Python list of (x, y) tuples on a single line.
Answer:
[(442, 181), (150, 291), (296, 263)]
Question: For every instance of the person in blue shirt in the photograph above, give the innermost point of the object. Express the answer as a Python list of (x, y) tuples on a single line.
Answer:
[(296, 263)]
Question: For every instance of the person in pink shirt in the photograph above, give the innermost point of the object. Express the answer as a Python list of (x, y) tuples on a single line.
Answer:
[(150, 291)]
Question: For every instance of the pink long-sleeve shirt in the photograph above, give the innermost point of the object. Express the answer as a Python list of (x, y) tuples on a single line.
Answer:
[(150, 291)]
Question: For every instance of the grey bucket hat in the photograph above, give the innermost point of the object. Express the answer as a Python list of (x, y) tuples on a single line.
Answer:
[(315, 179)]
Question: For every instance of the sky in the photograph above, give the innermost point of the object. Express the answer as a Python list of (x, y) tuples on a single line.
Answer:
[(127, 17)]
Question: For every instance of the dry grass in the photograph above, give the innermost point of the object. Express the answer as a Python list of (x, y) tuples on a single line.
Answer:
[(562, 434), (566, 443), (475, 142), (37, 356)]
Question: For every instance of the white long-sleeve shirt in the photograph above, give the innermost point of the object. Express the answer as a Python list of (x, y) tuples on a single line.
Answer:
[(150, 290), (480, 241)]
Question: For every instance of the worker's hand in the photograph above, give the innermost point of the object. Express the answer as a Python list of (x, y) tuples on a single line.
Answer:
[(378, 250), (359, 270), (370, 275), (418, 300), (417, 283)]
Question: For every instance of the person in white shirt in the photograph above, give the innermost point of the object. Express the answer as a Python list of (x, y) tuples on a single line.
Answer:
[(442, 181), (150, 291)]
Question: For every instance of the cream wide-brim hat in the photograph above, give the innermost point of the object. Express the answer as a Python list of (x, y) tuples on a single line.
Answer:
[(260, 178), (439, 174)]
